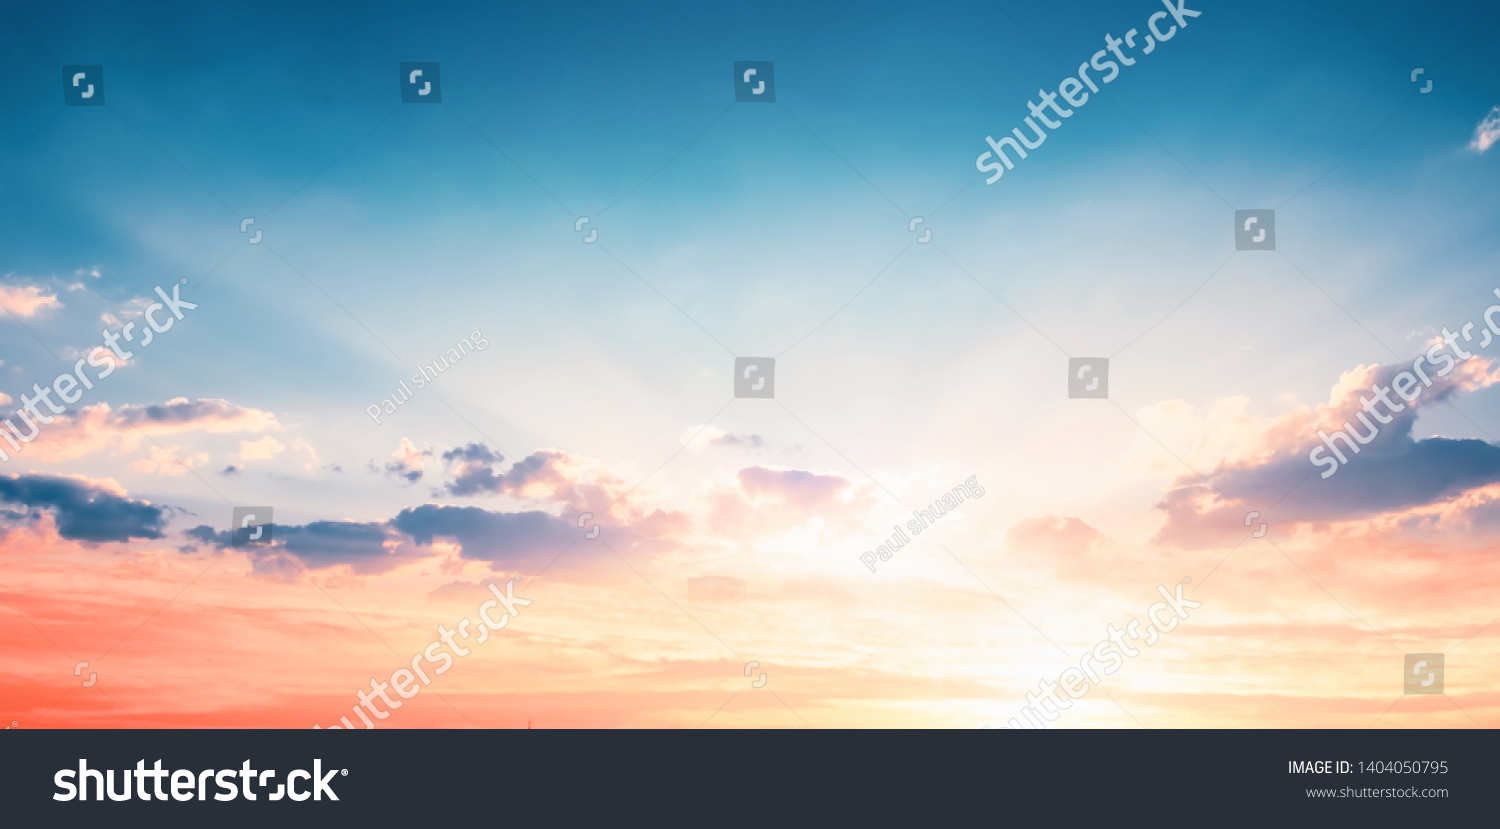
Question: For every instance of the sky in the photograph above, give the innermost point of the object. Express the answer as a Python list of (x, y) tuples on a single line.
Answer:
[(596, 229)]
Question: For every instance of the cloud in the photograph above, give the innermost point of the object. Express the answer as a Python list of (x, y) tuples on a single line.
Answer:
[(326, 543), (88, 511), (473, 452), (26, 300), (578, 484), (459, 592), (1392, 472), (166, 462), (504, 539), (807, 488), (1487, 132), (260, 450), (701, 437), (98, 428), (364, 546), (408, 462), (205, 534), (507, 538), (203, 415), (751, 441), (475, 472), (545, 473), (761, 501), (312, 454), (1053, 534)]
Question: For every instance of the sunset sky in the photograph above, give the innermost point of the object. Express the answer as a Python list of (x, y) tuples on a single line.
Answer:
[(595, 381)]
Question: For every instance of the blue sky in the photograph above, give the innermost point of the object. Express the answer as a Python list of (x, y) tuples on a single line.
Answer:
[(412, 219)]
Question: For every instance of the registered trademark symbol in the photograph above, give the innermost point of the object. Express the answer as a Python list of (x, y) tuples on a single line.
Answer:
[(1187, 579), (184, 280), (344, 772)]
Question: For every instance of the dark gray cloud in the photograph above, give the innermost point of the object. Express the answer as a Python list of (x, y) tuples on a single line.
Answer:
[(83, 512), (323, 543), (477, 471), (473, 452), (406, 473), (205, 534), (315, 546), (179, 411), (473, 478), (501, 537), (509, 537)]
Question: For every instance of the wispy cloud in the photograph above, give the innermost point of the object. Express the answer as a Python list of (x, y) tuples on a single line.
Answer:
[(165, 462), (1488, 131), (260, 450), (408, 462)]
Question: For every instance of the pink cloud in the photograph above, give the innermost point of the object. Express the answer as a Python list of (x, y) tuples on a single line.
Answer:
[(99, 428), (1054, 534), (791, 485), (26, 300)]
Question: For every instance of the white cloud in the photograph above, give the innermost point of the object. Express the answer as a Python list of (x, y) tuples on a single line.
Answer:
[(697, 438), (260, 450), (312, 454), (164, 462), (26, 300), (408, 455), (1488, 131)]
